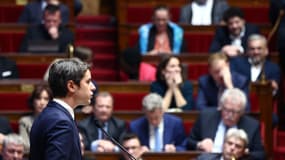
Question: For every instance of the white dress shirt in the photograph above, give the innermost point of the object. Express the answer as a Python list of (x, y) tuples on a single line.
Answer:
[(202, 13)]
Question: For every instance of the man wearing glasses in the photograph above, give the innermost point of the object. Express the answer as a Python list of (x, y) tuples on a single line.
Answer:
[(209, 130)]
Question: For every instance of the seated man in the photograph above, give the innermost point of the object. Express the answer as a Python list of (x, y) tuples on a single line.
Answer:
[(132, 144), (255, 64), (33, 11), (51, 31), (203, 12), (208, 131), (220, 78), (158, 131), (159, 37), (13, 147), (95, 139), (234, 147), (231, 39), (8, 69)]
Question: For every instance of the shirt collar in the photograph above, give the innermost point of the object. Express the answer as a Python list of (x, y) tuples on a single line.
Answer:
[(240, 35), (65, 105)]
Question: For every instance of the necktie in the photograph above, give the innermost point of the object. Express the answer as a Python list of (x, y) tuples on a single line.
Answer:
[(158, 146)]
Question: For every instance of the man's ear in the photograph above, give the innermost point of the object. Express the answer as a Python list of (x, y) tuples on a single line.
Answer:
[(71, 86)]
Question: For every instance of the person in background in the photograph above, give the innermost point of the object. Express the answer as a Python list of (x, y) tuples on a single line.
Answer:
[(33, 11), (13, 147), (232, 38), (209, 130), (161, 36), (54, 134), (38, 100), (220, 78), (158, 131), (95, 139), (203, 12), (132, 144), (8, 69), (4, 130), (51, 30), (172, 85), (234, 147)]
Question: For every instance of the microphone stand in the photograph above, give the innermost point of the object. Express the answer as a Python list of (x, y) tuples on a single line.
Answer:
[(122, 148)]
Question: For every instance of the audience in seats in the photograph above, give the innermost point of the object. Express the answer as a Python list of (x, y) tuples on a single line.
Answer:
[(95, 139), (8, 68), (274, 10), (38, 100), (161, 36), (203, 12), (132, 144), (158, 131), (33, 11), (231, 39), (13, 148), (4, 129), (209, 129), (172, 85), (220, 78), (234, 147), (50, 32), (255, 65)]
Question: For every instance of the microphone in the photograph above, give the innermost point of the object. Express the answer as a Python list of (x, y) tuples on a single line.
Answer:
[(122, 148)]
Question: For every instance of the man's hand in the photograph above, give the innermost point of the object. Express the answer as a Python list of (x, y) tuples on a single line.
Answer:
[(227, 78), (231, 50), (106, 145), (206, 145), (169, 148), (53, 32)]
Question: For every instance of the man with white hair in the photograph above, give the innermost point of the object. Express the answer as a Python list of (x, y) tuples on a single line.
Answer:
[(158, 131), (13, 147), (234, 147), (209, 130)]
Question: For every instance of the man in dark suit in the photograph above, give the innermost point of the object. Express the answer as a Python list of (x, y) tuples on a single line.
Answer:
[(231, 39), (213, 12), (8, 69), (51, 31), (33, 12), (5, 128), (212, 85), (209, 130), (255, 64), (54, 133), (234, 147), (95, 139), (156, 130)]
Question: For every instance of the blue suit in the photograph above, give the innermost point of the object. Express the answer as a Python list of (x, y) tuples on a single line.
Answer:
[(208, 90), (222, 37), (33, 13), (54, 135), (173, 131), (242, 66)]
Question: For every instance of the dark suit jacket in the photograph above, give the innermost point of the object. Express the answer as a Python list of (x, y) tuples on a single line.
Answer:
[(207, 124), (218, 9), (33, 12), (54, 135), (241, 65), (208, 90), (38, 32), (222, 37), (218, 156), (116, 128), (5, 125), (173, 131), (8, 69)]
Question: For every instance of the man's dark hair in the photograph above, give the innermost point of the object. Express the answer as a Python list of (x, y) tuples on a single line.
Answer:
[(160, 7), (128, 136), (51, 8), (233, 12), (63, 71)]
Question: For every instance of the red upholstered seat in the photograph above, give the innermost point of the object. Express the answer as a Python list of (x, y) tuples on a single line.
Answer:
[(196, 70), (198, 42), (14, 101), (10, 42), (32, 71), (128, 101), (14, 12)]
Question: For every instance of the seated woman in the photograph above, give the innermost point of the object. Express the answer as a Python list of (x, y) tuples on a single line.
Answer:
[(161, 36), (171, 85), (38, 100)]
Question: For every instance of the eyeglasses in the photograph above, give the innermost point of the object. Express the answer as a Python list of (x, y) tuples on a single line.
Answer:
[(232, 111)]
